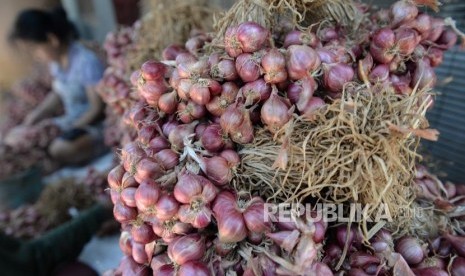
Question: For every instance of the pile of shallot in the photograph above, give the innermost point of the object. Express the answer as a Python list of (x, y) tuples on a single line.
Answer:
[(175, 193)]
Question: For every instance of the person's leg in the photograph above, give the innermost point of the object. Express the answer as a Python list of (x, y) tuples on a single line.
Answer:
[(73, 152)]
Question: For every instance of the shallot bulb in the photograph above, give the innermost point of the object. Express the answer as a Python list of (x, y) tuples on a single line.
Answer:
[(337, 75), (276, 112), (302, 61), (186, 248), (196, 193)]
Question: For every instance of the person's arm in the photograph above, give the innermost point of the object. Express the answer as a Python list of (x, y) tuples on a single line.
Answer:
[(44, 110), (94, 111)]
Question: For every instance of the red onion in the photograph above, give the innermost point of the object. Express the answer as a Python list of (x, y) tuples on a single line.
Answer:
[(217, 170), (128, 197), (172, 51), (437, 27), (195, 44), (301, 61), (146, 133), (157, 144), (236, 122), (147, 194), (115, 176), (166, 207), (337, 75), (403, 11), (326, 55), (167, 158), (435, 56), (138, 253), (231, 43), (313, 105), (151, 91), (328, 34), (254, 216), (231, 225), (430, 271), (146, 169), (199, 94), (252, 36), (362, 259), (457, 242), (256, 92), (194, 268), (168, 102), (218, 104), (301, 38), (225, 69), (276, 112), (379, 74), (125, 243), (176, 137), (158, 261), (153, 70), (274, 65), (134, 78), (231, 156), (406, 40), (123, 213), (423, 76), (213, 138), (248, 67), (142, 233), (401, 84), (187, 248), (447, 39), (410, 248), (197, 192), (457, 267), (422, 24), (435, 262)]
